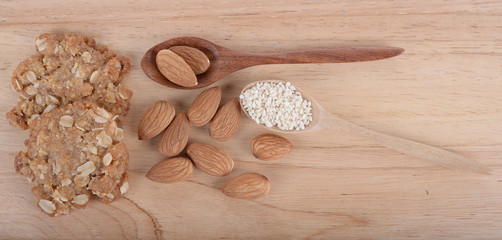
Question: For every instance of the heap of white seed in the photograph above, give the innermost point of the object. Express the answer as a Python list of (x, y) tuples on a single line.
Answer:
[(277, 104)]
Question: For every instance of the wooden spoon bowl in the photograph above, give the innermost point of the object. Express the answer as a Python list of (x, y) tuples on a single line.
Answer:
[(317, 111), (324, 120), (224, 61), (149, 65)]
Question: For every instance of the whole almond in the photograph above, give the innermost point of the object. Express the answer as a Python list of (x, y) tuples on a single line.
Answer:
[(204, 106), (171, 170), (210, 159), (247, 186), (226, 121), (195, 58), (175, 69), (156, 118), (175, 138), (270, 147)]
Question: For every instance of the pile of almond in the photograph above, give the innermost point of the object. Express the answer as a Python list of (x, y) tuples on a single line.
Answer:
[(223, 124), (181, 64)]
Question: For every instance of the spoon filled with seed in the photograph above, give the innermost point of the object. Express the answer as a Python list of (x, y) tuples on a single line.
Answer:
[(281, 107)]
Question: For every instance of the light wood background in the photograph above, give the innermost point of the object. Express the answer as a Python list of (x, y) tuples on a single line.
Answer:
[(446, 90)]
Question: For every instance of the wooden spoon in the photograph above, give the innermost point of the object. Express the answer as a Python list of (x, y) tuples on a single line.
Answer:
[(224, 61), (324, 120)]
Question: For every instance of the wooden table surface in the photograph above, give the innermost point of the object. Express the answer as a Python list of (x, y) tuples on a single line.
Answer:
[(445, 90)]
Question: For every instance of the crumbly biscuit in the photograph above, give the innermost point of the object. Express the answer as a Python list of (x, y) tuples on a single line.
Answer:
[(74, 152), (68, 69)]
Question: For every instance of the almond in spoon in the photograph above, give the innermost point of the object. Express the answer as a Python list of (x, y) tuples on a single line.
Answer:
[(171, 170), (156, 118), (175, 69), (269, 147), (226, 121), (210, 159), (247, 186), (204, 106), (195, 58), (175, 138)]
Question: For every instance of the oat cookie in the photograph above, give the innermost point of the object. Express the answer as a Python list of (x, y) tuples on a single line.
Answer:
[(74, 152), (68, 69)]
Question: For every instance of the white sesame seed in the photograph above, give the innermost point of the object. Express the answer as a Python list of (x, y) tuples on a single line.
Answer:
[(277, 104)]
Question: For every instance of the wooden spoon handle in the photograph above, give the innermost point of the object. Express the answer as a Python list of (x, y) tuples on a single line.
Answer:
[(433, 154), (315, 55)]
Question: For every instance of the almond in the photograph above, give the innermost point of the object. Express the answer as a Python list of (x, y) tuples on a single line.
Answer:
[(270, 147), (226, 121), (175, 138), (195, 58), (204, 106), (171, 170), (157, 117), (247, 186), (210, 159), (175, 69)]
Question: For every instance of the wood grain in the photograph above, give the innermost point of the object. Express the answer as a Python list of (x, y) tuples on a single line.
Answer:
[(445, 90)]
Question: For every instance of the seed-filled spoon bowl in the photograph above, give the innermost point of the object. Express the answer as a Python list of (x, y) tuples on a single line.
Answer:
[(224, 61), (324, 120)]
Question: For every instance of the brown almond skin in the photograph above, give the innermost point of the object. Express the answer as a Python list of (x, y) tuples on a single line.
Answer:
[(210, 159), (156, 118), (195, 58), (171, 170), (203, 108), (175, 138), (175, 69), (226, 121), (247, 186), (270, 147)]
